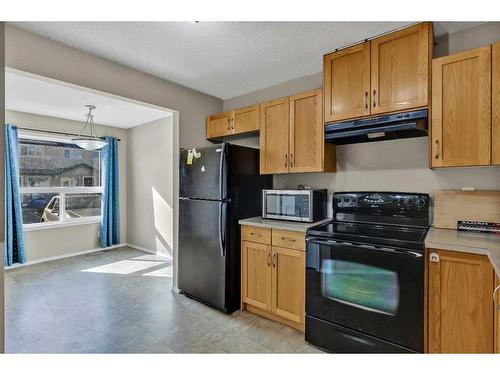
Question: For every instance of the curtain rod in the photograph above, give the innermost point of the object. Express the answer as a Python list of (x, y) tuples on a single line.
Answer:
[(52, 131)]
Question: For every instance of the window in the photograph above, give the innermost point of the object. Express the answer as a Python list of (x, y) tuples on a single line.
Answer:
[(59, 181)]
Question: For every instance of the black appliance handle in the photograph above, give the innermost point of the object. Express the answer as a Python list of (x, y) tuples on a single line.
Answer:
[(221, 170), (385, 249), (222, 231)]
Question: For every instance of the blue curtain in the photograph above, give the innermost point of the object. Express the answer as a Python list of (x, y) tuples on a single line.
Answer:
[(110, 221), (14, 234)]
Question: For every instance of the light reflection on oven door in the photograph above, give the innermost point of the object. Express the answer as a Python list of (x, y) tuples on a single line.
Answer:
[(360, 285)]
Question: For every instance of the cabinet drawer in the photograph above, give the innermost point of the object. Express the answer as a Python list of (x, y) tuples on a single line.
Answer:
[(256, 234), (289, 239)]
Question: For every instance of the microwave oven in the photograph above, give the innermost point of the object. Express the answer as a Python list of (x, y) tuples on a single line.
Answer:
[(295, 205)]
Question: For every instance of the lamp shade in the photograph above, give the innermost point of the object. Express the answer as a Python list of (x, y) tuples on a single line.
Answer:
[(89, 143)]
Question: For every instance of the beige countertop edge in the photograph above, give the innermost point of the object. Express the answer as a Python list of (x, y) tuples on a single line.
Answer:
[(280, 224), (473, 243)]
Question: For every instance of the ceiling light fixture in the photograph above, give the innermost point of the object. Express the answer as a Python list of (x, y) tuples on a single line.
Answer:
[(92, 141)]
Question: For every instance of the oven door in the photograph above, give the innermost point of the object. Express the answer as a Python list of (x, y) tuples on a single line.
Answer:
[(377, 291), (287, 205)]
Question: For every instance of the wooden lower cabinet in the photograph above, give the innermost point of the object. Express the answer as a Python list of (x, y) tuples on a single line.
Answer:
[(460, 304), (273, 278), (497, 317), (288, 281), (256, 274)]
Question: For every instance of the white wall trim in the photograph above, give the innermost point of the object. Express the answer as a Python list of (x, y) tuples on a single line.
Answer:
[(61, 224), (62, 256), (149, 251)]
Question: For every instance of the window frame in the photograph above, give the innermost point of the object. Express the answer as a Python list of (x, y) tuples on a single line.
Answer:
[(62, 191)]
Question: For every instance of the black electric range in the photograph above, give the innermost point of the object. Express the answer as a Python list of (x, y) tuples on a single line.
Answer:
[(365, 274)]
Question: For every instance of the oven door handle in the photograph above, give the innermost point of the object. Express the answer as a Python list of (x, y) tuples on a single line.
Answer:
[(386, 249)]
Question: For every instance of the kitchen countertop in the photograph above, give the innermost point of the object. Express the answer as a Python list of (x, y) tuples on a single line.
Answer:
[(475, 243), (294, 226)]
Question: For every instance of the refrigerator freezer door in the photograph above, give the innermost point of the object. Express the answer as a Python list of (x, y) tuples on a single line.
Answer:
[(202, 249), (204, 177)]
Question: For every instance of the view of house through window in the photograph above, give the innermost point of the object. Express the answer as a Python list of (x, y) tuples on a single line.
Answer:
[(59, 181)]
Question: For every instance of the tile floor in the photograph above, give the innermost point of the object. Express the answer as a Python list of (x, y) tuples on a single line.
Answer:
[(119, 301)]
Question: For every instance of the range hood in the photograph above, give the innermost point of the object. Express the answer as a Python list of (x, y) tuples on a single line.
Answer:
[(382, 128)]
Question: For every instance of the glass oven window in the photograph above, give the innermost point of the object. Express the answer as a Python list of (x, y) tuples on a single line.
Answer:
[(360, 285)]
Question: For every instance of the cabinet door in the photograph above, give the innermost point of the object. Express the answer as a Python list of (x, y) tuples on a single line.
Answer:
[(496, 104), (460, 303), (400, 69), (461, 109), (346, 83), (274, 125), (288, 284), (218, 125), (246, 119), (306, 132), (497, 316), (256, 274)]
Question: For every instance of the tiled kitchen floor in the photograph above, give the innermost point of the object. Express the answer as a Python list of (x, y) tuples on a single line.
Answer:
[(120, 301)]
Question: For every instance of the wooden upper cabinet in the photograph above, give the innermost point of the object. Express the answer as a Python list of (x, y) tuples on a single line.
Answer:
[(460, 303), (274, 130), (461, 109), (256, 275), (495, 110), (242, 120), (400, 69), (306, 132), (346, 83), (245, 119), (288, 279), (218, 125)]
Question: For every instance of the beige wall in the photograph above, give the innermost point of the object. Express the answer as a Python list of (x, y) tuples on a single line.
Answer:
[(487, 33), (2, 224), (150, 186), (34, 54), (310, 82), (59, 241)]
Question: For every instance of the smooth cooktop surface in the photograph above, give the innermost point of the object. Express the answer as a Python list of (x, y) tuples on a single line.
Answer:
[(403, 236)]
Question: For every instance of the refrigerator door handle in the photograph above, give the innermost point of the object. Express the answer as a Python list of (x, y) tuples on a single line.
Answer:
[(222, 235), (221, 170)]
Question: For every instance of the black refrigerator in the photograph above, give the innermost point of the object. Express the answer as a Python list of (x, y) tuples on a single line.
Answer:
[(218, 186)]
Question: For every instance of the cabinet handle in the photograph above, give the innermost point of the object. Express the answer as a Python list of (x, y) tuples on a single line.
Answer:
[(274, 259), (434, 257), (292, 161), (232, 123), (366, 99), (495, 298), (374, 100), (255, 234), (288, 239), (269, 259), (229, 123), (286, 160), (436, 155)]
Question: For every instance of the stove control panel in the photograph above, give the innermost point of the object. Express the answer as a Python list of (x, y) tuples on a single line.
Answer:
[(392, 208), (381, 200)]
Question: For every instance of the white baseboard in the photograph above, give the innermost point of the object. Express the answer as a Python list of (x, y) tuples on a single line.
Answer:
[(146, 250), (62, 256)]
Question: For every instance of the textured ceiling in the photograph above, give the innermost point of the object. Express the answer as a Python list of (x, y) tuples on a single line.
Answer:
[(223, 59), (26, 94)]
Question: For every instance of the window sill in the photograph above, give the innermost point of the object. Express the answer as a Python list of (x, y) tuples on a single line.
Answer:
[(53, 225)]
